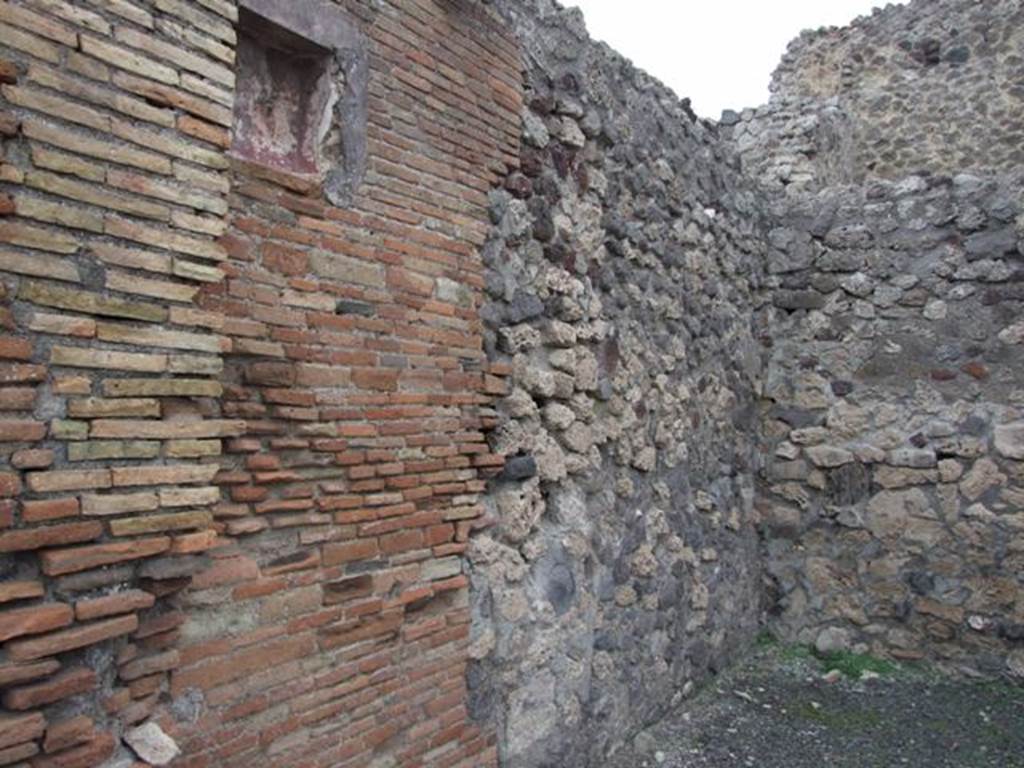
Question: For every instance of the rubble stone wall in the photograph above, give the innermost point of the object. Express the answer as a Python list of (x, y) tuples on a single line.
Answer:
[(893, 487), (930, 85), (623, 283)]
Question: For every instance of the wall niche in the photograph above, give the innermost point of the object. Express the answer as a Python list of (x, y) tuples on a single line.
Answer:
[(300, 100)]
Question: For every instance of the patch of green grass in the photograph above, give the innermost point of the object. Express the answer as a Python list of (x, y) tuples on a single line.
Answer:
[(765, 639), (796, 653), (854, 665), (840, 720)]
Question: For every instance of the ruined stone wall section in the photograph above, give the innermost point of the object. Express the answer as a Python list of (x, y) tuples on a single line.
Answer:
[(893, 489), (933, 85), (622, 282)]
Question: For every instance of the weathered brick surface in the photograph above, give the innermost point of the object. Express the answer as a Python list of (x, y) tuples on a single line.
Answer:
[(225, 394)]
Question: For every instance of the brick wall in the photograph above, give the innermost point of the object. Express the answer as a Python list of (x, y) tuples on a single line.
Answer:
[(243, 427)]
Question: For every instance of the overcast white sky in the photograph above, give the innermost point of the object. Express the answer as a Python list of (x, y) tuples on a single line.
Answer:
[(718, 53)]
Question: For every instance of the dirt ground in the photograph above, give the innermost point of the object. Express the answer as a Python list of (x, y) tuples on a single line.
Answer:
[(778, 710)]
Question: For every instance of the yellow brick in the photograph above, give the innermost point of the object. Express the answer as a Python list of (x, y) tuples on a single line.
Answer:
[(176, 54), (196, 364), (163, 190), (179, 473), (52, 160), (190, 36), (95, 195), (68, 480), (174, 521), (162, 388), (197, 317), (213, 182), (64, 429), (162, 238), (171, 144), (187, 449), (226, 8), (77, 357), (141, 286), (209, 91), (87, 66), (166, 430), (40, 25), (148, 336), (86, 145), (102, 450), (118, 504), (199, 272), (61, 297), (55, 213), (30, 44), (204, 225), (133, 258), (77, 16), (257, 347), (126, 10), (38, 238), (189, 497), (62, 325), (38, 265), (10, 174), (124, 58), (41, 101), (72, 385), (101, 407), (161, 93), (82, 89), (200, 20)]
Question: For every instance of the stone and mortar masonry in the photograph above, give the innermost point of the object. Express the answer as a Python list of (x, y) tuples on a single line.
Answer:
[(893, 486), (513, 411), (623, 282), (934, 85)]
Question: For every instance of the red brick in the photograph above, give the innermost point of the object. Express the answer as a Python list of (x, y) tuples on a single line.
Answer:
[(18, 753), (243, 663), (8, 72), (21, 431), (34, 620), (12, 674), (349, 551), (20, 590), (50, 509), (286, 261), (10, 485), (68, 733), (17, 398), (70, 639), (402, 541), (89, 755), (14, 348), (50, 536), (111, 605), (16, 729), (33, 459), (63, 686), (58, 562)]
